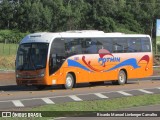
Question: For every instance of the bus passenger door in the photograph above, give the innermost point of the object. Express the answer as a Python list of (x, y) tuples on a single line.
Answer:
[(56, 60)]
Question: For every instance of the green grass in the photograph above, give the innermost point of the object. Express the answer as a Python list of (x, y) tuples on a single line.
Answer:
[(103, 105), (8, 49), (8, 56), (158, 39), (97, 105)]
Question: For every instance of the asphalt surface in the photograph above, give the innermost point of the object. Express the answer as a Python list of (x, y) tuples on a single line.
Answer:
[(13, 97)]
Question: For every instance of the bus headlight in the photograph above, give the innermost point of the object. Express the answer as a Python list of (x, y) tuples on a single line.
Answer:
[(41, 75), (29, 76), (17, 75)]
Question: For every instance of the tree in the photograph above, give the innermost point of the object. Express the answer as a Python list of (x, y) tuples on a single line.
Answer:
[(6, 14)]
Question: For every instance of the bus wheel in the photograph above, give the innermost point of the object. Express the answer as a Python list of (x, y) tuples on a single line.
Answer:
[(122, 78), (69, 81), (40, 87)]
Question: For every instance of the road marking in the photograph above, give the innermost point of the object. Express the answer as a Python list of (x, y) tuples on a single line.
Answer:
[(124, 93), (48, 101), (145, 91), (17, 103), (100, 95), (91, 93), (75, 98)]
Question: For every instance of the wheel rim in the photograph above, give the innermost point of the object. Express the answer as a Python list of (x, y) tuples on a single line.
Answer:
[(69, 81), (121, 77)]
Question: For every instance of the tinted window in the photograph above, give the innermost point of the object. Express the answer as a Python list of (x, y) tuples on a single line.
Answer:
[(134, 45), (73, 46), (32, 56), (104, 43), (89, 46), (57, 55), (120, 45), (146, 47)]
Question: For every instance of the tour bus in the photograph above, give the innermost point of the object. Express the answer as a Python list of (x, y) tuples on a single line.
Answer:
[(86, 56)]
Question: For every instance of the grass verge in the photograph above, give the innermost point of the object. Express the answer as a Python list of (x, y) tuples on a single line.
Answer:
[(8, 49), (8, 56), (103, 105)]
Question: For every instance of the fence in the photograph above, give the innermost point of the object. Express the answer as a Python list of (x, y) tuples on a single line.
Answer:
[(8, 49), (8, 55)]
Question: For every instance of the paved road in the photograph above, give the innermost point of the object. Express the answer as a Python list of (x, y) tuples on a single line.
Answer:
[(30, 98), (12, 96)]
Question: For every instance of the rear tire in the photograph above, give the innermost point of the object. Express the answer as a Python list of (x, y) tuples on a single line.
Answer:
[(70, 81), (122, 77)]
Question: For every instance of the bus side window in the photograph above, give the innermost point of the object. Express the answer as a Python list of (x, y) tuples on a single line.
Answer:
[(105, 43), (134, 45), (89, 46), (146, 47), (119, 45), (73, 46)]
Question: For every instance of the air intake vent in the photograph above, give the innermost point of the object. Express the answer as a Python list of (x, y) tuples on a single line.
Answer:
[(37, 34)]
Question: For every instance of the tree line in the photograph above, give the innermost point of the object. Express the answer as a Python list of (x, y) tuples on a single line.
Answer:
[(131, 16)]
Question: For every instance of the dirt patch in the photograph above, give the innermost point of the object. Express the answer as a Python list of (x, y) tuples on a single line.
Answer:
[(7, 79)]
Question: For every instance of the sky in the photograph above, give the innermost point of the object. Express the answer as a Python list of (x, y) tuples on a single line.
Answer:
[(158, 27)]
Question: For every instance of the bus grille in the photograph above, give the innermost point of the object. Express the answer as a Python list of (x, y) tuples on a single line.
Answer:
[(26, 82)]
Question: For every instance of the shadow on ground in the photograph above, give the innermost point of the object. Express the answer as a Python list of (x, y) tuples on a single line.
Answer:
[(57, 87)]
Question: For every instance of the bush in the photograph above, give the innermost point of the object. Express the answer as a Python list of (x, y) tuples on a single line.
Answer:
[(11, 36)]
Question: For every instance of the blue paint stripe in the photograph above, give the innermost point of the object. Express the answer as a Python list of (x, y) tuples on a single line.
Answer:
[(130, 62), (77, 64)]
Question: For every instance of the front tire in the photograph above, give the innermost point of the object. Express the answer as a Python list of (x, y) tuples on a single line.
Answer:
[(70, 81)]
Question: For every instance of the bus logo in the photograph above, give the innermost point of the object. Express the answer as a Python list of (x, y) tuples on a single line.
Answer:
[(103, 60)]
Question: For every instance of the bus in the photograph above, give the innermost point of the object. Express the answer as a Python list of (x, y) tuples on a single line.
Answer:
[(85, 56)]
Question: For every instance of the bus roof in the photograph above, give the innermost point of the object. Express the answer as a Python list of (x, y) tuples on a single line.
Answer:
[(47, 37)]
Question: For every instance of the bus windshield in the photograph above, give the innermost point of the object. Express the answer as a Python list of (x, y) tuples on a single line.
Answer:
[(32, 56)]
